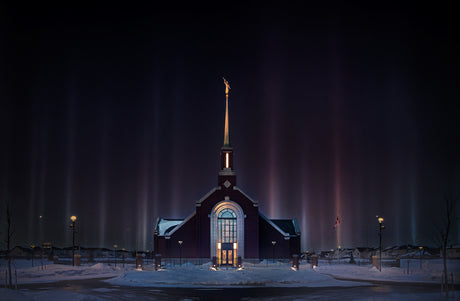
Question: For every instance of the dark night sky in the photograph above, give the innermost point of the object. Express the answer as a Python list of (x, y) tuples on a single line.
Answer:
[(116, 114)]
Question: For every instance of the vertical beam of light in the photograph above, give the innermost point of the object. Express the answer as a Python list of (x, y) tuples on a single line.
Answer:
[(177, 142), (336, 113), (71, 112), (42, 178), (144, 180), (5, 174), (273, 183), (304, 207), (143, 208), (274, 69), (398, 200), (103, 179), (413, 205), (357, 216), (337, 193), (34, 152), (272, 179), (155, 150)]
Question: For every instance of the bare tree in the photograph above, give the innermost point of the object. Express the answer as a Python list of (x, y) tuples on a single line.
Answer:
[(8, 240), (442, 237)]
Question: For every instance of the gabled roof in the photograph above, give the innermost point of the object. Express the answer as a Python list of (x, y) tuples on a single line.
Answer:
[(198, 203), (164, 226), (289, 226), (174, 229), (254, 202), (285, 234)]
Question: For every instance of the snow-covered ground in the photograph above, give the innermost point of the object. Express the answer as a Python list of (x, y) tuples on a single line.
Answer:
[(50, 272), (201, 276), (273, 275), (428, 271), (278, 274)]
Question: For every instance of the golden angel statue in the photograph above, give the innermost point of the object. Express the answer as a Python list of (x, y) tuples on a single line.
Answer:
[(227, 86)]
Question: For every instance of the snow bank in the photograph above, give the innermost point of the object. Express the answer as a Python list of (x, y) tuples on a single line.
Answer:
[(428, 274), (56, 272)]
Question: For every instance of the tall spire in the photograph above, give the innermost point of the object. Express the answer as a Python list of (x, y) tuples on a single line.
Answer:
[(227, 177), (226, 134)]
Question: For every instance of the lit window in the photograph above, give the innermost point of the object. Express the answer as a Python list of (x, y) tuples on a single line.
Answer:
[(227, 160), (226, 226)]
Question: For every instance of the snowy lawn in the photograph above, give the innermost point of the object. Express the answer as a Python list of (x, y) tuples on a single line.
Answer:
[(187, 275), (253, 275), (56, 272), (430, 271)]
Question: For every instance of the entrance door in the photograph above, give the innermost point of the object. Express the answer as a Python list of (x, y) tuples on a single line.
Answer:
[(226, 239), (227, 254)]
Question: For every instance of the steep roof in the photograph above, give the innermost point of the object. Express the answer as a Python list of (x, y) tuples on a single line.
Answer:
[(289, 226), (164, 226)]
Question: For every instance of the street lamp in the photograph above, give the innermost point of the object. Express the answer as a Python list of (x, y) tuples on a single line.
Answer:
[(115, 246), (273, 243), (73, 218), (123, 250), (381, 226), (180, 242), (32, 247), (338, 249), (421, 249)]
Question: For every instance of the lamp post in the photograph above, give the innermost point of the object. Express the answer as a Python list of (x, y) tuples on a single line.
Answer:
[(273, 243), (180, 242), (338, 255), (115, 246), (73, 218), (32, 247), (421, 249), (381, 226), (123, 250)]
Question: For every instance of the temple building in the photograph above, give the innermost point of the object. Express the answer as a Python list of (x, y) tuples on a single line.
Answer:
[(227, 223)]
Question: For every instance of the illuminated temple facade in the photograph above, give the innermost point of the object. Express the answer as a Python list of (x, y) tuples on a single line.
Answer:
[(226, 224)]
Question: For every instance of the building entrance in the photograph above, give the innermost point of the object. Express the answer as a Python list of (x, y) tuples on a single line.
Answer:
[(227, 237), (227, 254)]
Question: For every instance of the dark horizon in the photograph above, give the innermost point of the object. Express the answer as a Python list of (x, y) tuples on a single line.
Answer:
[(116, 115)]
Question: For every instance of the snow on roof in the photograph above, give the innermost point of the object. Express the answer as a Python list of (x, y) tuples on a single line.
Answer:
[(183, 222), (165, 225)]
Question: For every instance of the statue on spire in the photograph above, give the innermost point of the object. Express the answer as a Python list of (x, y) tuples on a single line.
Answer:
[(226, 134), (227, 86)]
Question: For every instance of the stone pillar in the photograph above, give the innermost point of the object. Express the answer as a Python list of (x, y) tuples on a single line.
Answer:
[(295, 262), (314, 261), (55, 259), (240, 262), (157, 262), (138, 261), (375, 261), (77, 259)]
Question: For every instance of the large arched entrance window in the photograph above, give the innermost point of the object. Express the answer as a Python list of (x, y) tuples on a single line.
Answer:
[(227, 232), (226, 237)]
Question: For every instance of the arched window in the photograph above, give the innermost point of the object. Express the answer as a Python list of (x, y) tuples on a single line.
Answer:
[(226, 222)]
